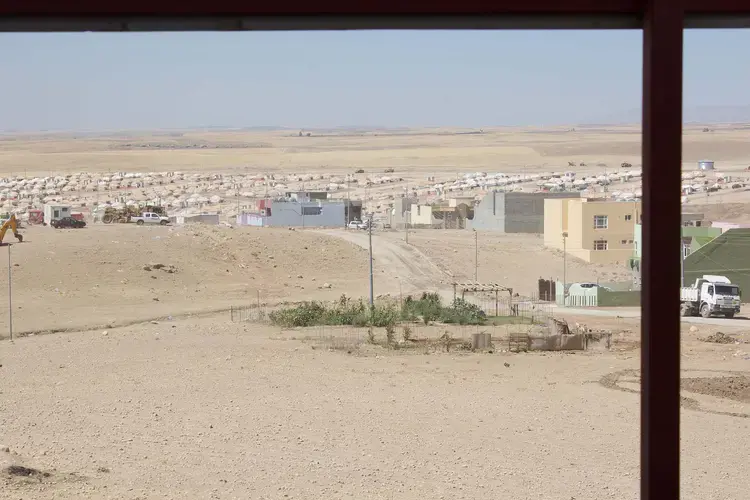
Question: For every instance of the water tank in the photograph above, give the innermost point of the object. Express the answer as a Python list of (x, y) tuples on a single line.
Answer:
[(706, 165)]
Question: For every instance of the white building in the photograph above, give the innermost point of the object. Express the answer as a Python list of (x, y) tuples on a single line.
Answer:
[(55, 212)]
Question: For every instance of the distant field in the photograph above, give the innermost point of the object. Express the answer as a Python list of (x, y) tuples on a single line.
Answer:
[(415, 152)]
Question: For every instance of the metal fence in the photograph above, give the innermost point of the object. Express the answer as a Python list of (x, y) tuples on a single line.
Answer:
[(256, 312), (414, 338), (529, 307)]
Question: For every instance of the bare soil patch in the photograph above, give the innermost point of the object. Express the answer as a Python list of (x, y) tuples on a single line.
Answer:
[(735, 388)]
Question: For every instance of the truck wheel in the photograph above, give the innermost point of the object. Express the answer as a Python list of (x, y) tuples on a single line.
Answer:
[(163, 223), (705, 311), (729, 315), (685, 310), (140, 222)]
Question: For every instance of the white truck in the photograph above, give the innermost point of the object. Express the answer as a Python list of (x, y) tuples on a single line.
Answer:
[(710, 295), (150, 218)]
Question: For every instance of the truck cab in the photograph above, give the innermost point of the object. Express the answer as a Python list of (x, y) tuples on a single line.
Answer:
[(720, 298)]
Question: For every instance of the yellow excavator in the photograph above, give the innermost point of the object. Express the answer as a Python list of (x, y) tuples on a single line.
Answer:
[(11, 224)]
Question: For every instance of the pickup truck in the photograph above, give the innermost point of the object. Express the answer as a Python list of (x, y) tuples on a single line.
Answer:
[(150, 218), (357, 224), (710, 295)]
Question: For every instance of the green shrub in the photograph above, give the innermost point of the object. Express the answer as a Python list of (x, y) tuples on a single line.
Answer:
[(383, 316), (343, 312), (463, 313), (305, 314), (428, 307)]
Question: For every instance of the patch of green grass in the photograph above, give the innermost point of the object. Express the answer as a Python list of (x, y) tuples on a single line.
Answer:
[(510, 320)]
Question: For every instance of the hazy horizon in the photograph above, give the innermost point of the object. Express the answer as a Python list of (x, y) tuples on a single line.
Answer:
[(106, 82)]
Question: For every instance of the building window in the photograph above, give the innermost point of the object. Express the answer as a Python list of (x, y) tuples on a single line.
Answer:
[(601, 222), (600, 245), (624, 242), (628, 217), (311, 210), (630, 242)]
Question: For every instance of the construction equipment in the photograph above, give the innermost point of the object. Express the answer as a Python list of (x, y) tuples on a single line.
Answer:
[(11, 224), (116, 215), (36, 216)]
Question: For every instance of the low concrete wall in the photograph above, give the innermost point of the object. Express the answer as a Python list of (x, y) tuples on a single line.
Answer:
[(573, 342), (618, 299)]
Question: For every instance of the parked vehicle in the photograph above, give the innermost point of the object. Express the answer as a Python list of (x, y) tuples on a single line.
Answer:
[(150, 218), (358, 224), (68, 222), (710, 295)]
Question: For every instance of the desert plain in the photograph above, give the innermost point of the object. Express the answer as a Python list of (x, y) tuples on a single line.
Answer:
[(130, 377)]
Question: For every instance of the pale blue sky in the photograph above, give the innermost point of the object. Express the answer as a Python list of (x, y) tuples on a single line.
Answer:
[(95, 81)]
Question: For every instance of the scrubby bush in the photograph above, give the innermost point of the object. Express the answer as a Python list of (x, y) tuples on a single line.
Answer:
[(463, 313), (345, 311), (305, 314), (428, 307)]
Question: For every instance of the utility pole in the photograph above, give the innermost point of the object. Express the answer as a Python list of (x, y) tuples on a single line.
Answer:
[(408, 214), (476, 255), (348, 202), (565, 264), (10, 296), (372, 296), (682, 263)]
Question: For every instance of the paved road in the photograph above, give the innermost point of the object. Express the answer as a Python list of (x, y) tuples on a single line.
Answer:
[(634, 312)]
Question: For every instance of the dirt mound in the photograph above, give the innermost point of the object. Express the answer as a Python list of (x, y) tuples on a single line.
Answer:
[(21, 471), (718, 338), (120, 272), (736, 388)]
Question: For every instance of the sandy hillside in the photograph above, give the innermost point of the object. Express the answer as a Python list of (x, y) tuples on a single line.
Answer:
[(512, 260), (96, 275)]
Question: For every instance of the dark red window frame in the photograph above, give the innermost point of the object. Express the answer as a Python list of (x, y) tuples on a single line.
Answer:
[(662, 22)]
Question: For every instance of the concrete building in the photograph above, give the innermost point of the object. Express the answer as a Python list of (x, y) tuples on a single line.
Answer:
[(209, 219), (514, 212), (596, 231), (283, 213), (400, 212), (421, 216)]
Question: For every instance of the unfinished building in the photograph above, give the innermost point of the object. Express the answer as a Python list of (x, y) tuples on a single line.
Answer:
[(513, 212)]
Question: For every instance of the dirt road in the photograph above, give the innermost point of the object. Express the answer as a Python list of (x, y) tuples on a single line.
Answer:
[(635, 312), (413, 269)]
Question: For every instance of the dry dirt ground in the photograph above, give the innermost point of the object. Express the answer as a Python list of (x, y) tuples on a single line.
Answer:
[(205, 408), (104, 275)]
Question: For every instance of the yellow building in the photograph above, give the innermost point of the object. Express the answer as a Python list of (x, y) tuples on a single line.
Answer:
[(596, 231)]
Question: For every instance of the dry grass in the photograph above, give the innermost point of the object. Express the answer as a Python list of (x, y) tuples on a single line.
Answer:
[(417, 153)]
